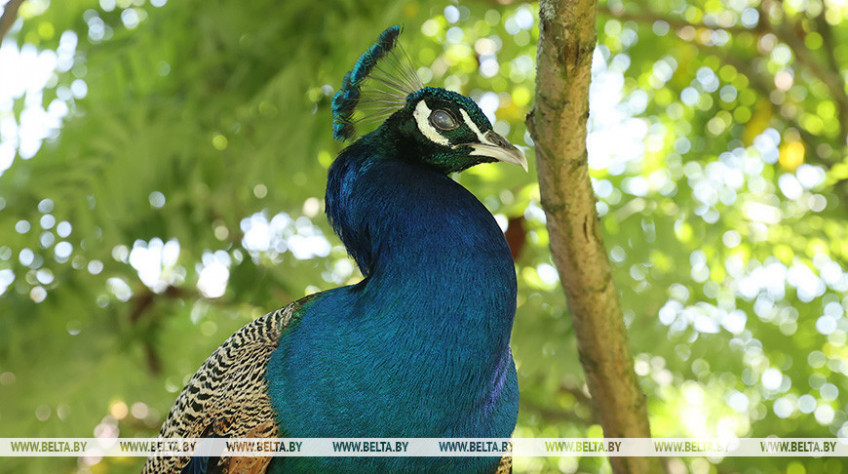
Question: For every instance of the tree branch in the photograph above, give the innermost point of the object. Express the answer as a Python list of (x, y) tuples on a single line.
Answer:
[(647, 16), (828, 42), (827, 72), (831, 78), (567, 37), (559, 415), (10, 14)]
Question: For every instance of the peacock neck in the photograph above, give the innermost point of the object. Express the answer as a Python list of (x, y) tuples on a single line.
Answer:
[(422, 241), (424, 336)]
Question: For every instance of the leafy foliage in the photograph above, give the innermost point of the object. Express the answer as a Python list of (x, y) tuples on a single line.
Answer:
[(181, 197)]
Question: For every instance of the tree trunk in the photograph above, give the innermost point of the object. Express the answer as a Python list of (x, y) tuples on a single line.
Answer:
[(567, 38)]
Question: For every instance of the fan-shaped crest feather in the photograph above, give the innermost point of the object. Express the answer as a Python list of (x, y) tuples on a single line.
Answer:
[(379, 83)]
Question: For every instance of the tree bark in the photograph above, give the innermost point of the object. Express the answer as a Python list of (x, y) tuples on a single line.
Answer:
[(567, 37), (10, 13)]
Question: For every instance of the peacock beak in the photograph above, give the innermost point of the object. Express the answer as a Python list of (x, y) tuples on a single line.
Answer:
[(499, 148)]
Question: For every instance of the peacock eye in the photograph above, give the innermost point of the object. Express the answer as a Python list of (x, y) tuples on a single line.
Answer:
[(443, 120)]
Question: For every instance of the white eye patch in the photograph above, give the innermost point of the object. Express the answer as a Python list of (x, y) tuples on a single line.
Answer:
[(473, 127), (422, 118)]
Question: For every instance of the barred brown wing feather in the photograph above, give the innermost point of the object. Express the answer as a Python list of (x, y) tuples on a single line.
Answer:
[(505, 466), (228, 395)]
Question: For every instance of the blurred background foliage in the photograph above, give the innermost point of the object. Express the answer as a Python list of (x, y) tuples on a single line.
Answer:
[(163, 169)]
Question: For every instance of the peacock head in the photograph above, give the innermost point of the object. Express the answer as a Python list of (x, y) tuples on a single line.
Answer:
[(438, 127)]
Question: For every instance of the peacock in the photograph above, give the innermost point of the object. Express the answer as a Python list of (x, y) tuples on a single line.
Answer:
[(420, 347)]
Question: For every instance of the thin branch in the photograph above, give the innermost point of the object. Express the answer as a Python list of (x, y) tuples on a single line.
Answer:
[(567, 38), (831, 78), (141, 304), (763, 82), (585, 400), (145, 298), (499, 3), (154, 362), (579, 395), (10, 14), (647, 16), (828, 43), (827, 73), (559, 415)]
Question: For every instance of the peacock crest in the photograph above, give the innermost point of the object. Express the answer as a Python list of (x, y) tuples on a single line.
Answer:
[(376, 87)]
